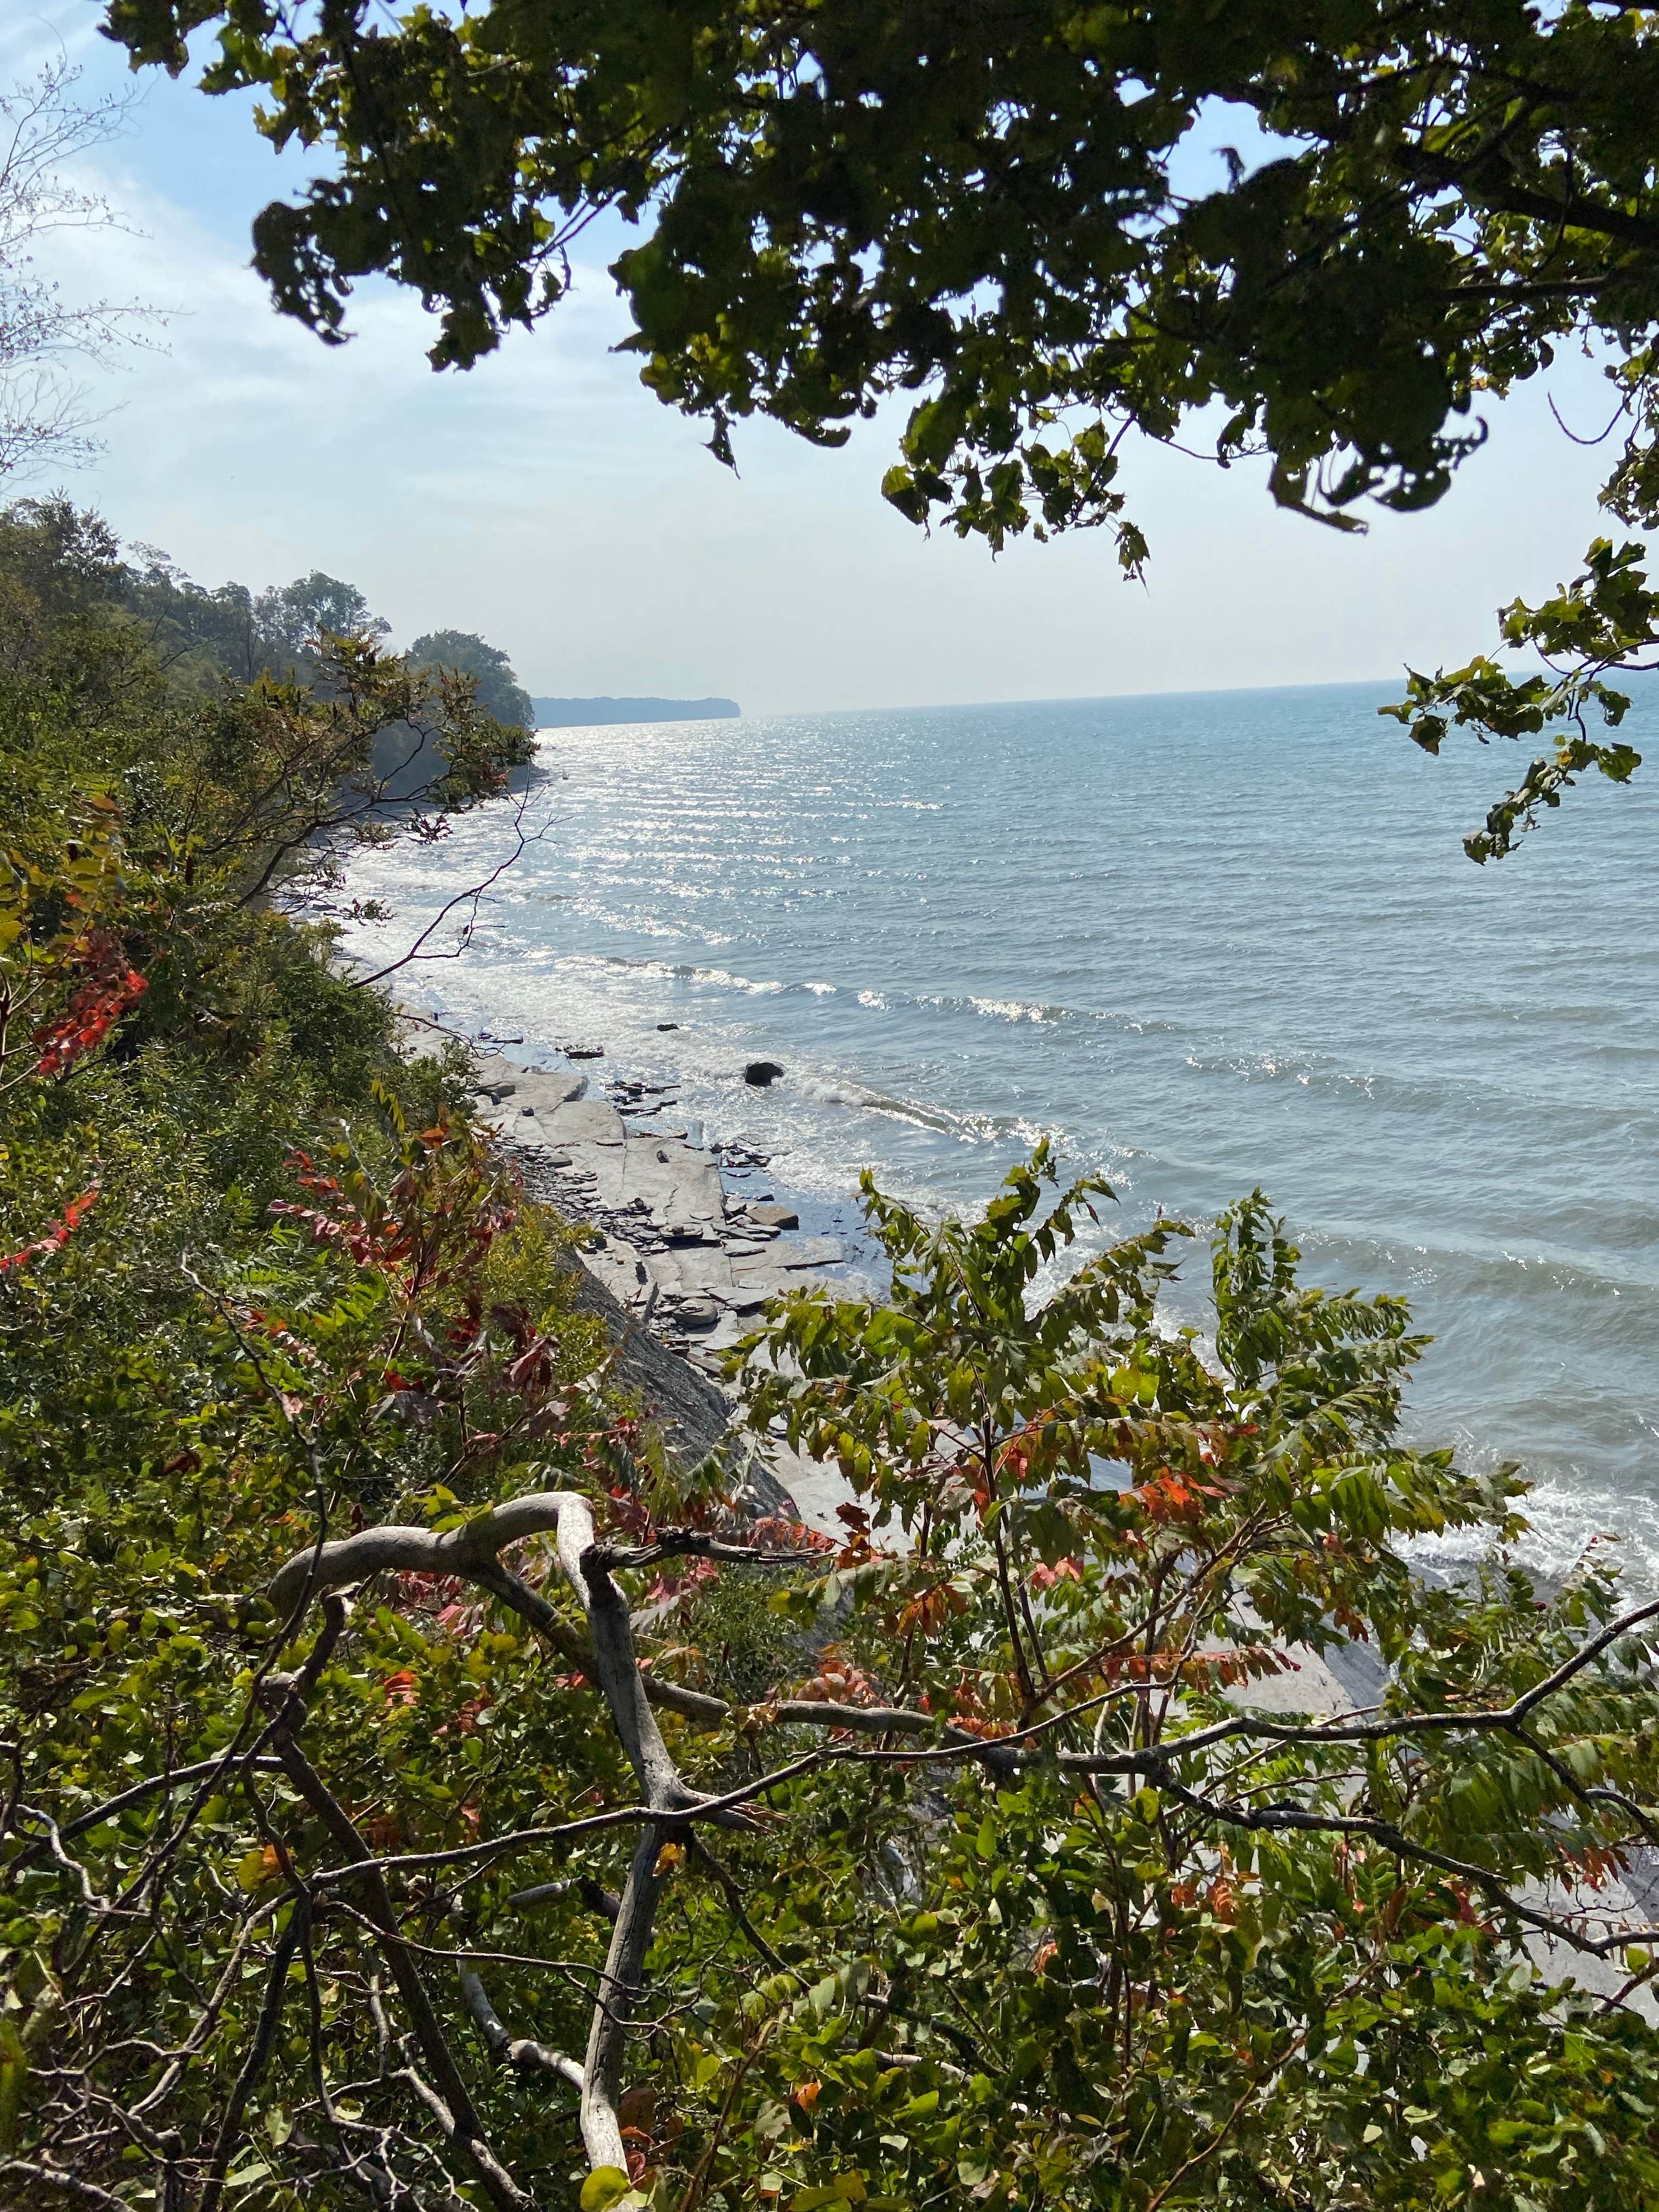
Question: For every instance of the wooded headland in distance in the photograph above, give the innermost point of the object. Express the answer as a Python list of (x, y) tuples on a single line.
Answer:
[(577, 713)]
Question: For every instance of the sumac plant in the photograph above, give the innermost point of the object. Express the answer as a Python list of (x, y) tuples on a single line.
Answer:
[(421, 1793)]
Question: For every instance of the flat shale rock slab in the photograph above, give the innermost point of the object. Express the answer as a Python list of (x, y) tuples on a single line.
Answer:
[(808, 1252), (545, 1090), (585, 1121)]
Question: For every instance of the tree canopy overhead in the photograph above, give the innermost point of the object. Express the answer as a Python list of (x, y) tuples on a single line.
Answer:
[(1014, 210), (992, 206)]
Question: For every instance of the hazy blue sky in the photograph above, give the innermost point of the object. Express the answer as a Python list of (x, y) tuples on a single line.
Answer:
[(549, 502)]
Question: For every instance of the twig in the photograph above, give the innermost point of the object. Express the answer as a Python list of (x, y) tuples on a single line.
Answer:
[(474, 894), (259, 2056)]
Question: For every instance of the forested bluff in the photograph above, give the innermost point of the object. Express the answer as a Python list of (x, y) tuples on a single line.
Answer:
[(421, 1787)]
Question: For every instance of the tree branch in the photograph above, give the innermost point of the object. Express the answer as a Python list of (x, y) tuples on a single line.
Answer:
[(463, 2121), (507, 2048)]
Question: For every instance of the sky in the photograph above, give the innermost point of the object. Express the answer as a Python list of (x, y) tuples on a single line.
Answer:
[(545, 500)]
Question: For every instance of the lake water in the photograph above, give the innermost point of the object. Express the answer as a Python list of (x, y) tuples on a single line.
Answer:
[(1205, 942)]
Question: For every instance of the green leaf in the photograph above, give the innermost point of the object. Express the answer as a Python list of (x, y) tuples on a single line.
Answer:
[(14, 2076), (606, 2185)]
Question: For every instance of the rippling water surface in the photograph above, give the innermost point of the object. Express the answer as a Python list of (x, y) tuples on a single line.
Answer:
[(1207, 942)]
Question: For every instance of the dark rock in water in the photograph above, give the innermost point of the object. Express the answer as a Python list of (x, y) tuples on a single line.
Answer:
[(774, 1216), (668, 1025), (583, 1051), (760, 1072)]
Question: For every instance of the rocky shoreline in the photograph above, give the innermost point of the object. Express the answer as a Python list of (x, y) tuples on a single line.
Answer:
[(689, 1258), (687, 1242)]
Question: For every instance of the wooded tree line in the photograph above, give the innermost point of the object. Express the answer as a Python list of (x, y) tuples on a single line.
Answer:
[(201, 635)]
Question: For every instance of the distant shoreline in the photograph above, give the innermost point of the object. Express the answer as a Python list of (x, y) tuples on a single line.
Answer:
[(588, 713)]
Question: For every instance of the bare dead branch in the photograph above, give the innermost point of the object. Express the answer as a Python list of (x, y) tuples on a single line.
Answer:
[(510, 2050), (469, 898)]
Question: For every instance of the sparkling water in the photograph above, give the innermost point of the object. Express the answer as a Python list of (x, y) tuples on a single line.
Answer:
[(1204, 942)]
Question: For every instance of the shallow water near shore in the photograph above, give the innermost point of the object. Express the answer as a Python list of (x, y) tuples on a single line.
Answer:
[(1204, 942)]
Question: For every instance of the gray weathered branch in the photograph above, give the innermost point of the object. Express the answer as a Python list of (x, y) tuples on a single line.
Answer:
[(473, 1552), (624, 1966), (508, 2049)]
